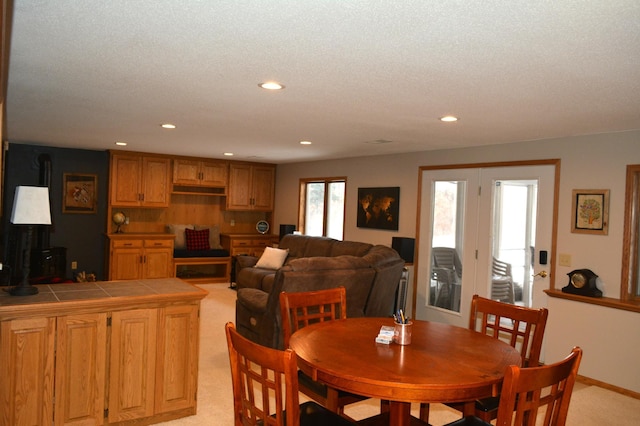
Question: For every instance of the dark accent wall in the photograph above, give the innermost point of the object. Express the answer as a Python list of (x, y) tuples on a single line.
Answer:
[(81, 234)]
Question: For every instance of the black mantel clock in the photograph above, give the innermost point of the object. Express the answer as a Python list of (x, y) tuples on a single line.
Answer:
[(583, 283)]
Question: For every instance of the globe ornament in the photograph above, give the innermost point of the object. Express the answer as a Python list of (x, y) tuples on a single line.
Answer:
[(119, 219)]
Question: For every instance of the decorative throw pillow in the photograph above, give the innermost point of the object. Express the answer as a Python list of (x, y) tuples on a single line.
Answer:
[(214, 235), (272, 258), (180, 243), (197, 240)]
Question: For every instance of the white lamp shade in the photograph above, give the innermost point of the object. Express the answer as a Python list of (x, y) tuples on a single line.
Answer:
[(31, 206)]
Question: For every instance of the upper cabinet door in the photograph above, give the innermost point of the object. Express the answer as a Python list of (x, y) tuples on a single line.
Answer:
[(214, 173), (139, 181), (239, 197), (263, 188), (251, 187), (199, 173), (125, 178), (155, 183)]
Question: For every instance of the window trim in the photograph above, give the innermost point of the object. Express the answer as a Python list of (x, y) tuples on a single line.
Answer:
[(630, 277), (629, 280), (303, 200)]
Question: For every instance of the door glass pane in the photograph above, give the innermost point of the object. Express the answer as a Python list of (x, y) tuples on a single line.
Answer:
[(314, 211), (513, 245), (335, 211), (446, 244)]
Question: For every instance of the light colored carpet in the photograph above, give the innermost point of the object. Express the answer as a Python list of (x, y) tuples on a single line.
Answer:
[(590, 405)]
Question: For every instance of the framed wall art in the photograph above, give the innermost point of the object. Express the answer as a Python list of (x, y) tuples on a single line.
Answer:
[(79, 193), (378, 208), (590, 211)]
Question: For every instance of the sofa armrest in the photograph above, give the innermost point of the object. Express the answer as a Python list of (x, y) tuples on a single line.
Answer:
[(253, 299)]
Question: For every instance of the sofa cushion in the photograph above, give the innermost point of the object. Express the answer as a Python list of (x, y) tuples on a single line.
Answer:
[(197, 240), (380, 255), (267, 282), (214, 235), (327, 263), (272, 258), (321, 246), (352, 248), (180, 242)]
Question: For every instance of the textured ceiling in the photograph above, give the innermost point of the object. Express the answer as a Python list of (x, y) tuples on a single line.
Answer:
[(84, 74)]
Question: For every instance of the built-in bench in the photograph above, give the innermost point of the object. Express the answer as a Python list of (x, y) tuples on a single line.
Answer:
[(202, 266)]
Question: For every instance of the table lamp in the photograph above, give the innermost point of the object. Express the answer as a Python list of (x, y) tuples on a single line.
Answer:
[(30, 207)]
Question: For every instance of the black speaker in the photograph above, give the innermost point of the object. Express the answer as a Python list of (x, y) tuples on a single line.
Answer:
[(405, 247), (286, 229)]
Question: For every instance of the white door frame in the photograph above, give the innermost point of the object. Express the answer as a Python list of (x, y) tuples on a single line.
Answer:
[(423, 239)]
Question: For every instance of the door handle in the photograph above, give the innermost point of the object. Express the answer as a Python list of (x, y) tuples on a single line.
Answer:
[(541, 274)]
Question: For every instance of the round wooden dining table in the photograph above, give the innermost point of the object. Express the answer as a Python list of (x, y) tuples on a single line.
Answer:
[(443, 363)]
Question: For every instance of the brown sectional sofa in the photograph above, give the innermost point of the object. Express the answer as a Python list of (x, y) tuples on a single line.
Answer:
[(370, 274)]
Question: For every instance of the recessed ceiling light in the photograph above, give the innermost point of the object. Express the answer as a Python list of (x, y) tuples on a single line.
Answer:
[(168, 126), (449, 118), (120, 143), (271, 85), (305, 142), (229, 154)]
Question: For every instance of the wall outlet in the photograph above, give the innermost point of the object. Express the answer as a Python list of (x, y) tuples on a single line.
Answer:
[(233, 222), (74, 265), (564, 259)]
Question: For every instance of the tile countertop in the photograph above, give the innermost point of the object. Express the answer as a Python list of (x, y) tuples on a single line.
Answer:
[(105, 293)]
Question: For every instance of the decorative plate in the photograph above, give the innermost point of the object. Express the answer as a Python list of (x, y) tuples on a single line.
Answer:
[(262, 226)]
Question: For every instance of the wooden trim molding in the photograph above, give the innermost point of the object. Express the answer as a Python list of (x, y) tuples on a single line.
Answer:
[(608, 302)]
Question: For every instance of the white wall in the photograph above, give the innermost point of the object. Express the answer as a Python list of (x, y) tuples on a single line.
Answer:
[(610, 337)]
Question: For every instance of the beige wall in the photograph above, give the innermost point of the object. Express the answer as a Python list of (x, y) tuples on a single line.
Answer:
[(610, 337)]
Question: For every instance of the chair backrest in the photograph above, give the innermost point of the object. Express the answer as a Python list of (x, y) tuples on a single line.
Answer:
[(500, 268), (446, 257), (300, 309), (502, 282), (525, 390), (265, 382), (523, 328)]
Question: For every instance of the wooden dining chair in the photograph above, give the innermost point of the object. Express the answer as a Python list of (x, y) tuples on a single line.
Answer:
[(520, 327), (300, 309), (265, 387), (526, 390)]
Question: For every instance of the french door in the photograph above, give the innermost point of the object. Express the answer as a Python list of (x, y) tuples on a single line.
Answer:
[(472, 215)]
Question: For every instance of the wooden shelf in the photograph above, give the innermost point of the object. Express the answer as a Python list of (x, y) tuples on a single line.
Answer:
[(199, 190)]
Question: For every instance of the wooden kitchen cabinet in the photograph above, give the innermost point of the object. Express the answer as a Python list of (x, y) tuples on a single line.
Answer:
[(139, 257), (133, 364), (177, 358), (251, 187), (139, 181), (249, 244), (121, 361), (81, 360), (27, 371), (200, 173)]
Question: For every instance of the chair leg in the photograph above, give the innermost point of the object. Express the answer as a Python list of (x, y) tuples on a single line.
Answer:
[(424, 412)]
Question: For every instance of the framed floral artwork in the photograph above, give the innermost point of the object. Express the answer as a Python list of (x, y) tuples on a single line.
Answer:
[(590, 211), (79, 193)]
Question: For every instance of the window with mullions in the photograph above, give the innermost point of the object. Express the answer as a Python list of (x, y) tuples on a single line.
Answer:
[(322, 207)]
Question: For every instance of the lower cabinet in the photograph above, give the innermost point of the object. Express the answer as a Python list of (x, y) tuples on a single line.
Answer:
[(134, 258), (135, 366)]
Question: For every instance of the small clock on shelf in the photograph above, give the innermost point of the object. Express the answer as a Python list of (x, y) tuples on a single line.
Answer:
[(583, 283), (262, 226)]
